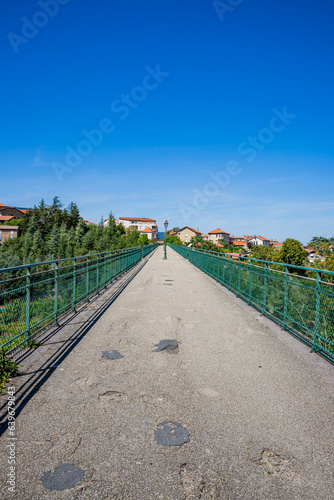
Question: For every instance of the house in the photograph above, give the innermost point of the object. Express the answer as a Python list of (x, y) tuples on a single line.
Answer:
[(205, 237), (16, 213), (149, 233), (313, 256), (8, 232), (239, 238), (186, 233), (240, 244), (89, 223), (218, 234), (275, 244), (141, 224), (106, 222), (258, 240)]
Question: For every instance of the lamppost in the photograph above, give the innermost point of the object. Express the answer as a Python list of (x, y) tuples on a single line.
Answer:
[(165, 238)]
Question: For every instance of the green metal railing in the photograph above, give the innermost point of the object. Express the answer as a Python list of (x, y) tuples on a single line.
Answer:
[(36, 295), (300, 304)]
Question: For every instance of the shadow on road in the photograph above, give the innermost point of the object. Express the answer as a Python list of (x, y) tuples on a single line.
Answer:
[(39, 376)]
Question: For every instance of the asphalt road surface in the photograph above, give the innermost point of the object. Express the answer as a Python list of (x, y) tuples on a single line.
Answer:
[(173, 390)]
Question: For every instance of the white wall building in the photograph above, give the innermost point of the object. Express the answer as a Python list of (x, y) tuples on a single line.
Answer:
[(143, 225), (219, 234), (259, 240), (106, 222)]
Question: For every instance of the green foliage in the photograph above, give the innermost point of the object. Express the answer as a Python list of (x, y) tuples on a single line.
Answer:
[(327, 264), (293, 301), (143, 240), (13, 222), (33, 344), (198, 242), (321, 244), (293, 253), (263, 252), (8, 368), (173, 239), (51, 232)]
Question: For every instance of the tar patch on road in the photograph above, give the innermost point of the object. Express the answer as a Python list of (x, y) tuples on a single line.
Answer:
[(170, 433), (112, 355), (170, 346), (65, 477)]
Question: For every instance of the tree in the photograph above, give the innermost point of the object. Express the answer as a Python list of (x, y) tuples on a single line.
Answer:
[(263, 252), (175, 240), (321, 244), (292, 252), (53, 243), (132, 237), (37, 247), (143, 240), (80, 232), (73, 215), (63, 239), (50, 232)]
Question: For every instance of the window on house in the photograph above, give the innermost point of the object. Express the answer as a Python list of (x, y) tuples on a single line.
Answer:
[(186, 234)]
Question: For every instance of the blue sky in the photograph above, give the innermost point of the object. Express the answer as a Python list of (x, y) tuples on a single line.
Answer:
[(183, 93)]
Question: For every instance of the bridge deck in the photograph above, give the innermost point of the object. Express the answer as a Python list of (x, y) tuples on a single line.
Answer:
[(257, 405)]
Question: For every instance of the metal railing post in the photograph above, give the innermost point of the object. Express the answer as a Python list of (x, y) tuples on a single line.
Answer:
[(28, 301), (105, 269), (230, 272), (87, 279), (56, 292), (265, 288), (74, 284), (111, 264), (238, 295), (224, 262), (97, 274), (250, 283), (317, 313), (286, 294)]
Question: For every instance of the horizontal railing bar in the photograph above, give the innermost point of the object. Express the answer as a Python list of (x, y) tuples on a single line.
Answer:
[(25, 266), (301, 305), (48, 294)]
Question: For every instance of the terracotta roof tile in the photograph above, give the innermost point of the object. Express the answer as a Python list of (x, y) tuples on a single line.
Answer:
[(4, 218), (139, 219), (217, 231), (9, 228), (195, 230), (239, 243)]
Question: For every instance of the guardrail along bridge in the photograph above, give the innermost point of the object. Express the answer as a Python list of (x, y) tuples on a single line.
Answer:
[(192, 377)]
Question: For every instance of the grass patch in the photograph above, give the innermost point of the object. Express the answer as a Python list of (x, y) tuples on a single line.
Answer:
[(8, 368), (33, 344)]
